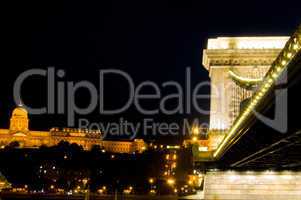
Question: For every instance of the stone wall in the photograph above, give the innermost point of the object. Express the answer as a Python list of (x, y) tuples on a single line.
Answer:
[(266, 185)]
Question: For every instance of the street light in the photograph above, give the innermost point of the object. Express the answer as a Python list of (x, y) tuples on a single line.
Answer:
[(171, 181), (152, 191), (151, 180)]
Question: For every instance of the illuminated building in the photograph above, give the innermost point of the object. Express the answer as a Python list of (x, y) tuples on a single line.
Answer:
[(236, 67), (19, 131)]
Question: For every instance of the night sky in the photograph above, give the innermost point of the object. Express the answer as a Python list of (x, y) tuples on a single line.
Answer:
[(149, 40)]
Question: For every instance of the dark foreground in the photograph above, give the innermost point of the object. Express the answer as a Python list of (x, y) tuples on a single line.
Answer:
[(9, 196)]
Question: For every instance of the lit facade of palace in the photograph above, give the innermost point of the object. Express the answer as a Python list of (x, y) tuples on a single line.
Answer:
[(236, 66), (19, 131)]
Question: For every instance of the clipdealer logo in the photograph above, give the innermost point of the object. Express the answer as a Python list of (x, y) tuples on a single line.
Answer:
[(60, 91), (186, 96), (280, 121)]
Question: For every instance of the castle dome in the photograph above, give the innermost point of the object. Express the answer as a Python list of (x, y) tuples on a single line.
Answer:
[(20, 111), (19, 120)]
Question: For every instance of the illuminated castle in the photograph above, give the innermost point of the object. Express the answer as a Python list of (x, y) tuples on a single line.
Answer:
[(19, 132)]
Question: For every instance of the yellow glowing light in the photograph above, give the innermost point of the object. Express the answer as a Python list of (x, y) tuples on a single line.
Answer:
[(264, 89), (171, 181), (283, 62), (267, 85), (245, 114), (295, 46), (152, 191), (260, 94), (126, 191), (229, 135), (175, 156), (278, 69), (174, 165), (274, 75), (289, 55), (85, 181), (194, 139), (203, 148), (151, 180), (196, 130), (248, 109)]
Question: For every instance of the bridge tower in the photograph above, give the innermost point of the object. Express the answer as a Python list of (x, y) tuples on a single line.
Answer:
[(236, 65)]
